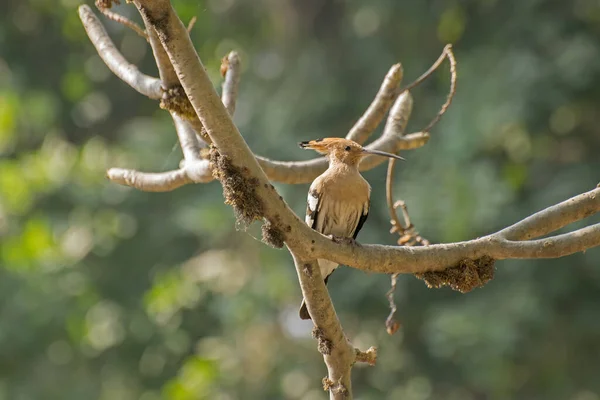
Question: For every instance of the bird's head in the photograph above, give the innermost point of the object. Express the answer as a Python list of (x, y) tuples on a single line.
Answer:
[(343, 150)]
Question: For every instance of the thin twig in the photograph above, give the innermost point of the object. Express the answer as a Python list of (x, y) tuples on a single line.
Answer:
[(427, 73), (408, 237), (123, 21), (191, 24), (369, 356), (190, 145), (389, 195), (391, 324), (230, 70), (450, 55)]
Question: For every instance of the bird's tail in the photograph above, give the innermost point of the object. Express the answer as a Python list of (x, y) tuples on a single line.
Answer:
[(304, 311), (327, 268)]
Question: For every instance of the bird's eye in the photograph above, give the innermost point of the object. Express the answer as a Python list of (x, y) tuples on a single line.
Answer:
[(347, 148)]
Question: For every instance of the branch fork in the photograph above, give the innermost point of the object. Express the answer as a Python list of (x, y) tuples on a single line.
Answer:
[(233, 163)]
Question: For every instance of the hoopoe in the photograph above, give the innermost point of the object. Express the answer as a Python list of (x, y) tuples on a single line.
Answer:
[(338, 199)]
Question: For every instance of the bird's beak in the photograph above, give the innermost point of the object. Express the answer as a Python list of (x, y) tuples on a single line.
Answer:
[(382, 153)]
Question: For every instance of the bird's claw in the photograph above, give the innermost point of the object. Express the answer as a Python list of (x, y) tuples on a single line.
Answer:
[(344, 240)]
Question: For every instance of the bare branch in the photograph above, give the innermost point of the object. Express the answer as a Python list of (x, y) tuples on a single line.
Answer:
[(369, 356), (427, 73), (554, 218), (230, 70), (191, 24), (391, 141), (552, 247), (193, 169), (391, 324), (408, 237), (337, 352), (388, 92), (399, 115), (188, 140), (167, 74), (248, 190), (148, 181), (450, 55), (102, 7), (196, 171), (115, 61), (292, 172), (437, 257)]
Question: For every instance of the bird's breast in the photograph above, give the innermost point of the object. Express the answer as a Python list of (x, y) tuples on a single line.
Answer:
[(339, 218)]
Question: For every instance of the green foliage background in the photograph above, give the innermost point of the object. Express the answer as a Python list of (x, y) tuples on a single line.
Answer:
[(110, 293)]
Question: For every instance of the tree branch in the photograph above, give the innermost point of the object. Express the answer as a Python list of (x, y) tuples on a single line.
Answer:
[(437, 257), (104, 8), (230, 70), (388, 92), (247, 189), (149, 181), (292, 172), (192, 169), (127, 72), (338, 353), (554, 217)]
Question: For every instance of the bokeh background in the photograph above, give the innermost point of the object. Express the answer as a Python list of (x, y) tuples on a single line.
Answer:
[(111, 293)]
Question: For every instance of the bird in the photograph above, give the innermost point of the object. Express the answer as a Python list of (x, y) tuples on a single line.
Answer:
[(338, 199)]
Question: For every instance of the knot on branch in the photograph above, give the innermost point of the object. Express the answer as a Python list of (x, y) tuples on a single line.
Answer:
[(104, 4), (272, 235), (174, 99), (464, 277), (337, 388), (324, 345), (369, 356), (307, 269), (327, 384), (239, 190)]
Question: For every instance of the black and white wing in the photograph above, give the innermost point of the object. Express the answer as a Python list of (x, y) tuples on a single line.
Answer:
[(313, 205), (362, 219)]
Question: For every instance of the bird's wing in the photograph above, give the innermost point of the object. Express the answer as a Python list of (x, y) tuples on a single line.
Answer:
[(362, 219), (313, 205)]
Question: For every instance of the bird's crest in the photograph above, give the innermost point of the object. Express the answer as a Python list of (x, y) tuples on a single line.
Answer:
[(344, 150), (327, 145)]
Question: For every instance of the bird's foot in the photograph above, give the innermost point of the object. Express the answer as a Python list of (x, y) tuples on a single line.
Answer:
[(344, 240)]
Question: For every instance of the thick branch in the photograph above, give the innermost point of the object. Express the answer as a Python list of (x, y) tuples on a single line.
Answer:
[(554, 218), (337, 352), (212, 113), (393, 259), (115, 61)]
